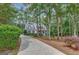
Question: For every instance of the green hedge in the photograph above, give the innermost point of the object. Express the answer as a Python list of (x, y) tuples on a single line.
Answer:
[(9, 36)]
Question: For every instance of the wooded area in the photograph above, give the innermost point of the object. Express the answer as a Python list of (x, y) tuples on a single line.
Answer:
[(54, 21), (60, 19)]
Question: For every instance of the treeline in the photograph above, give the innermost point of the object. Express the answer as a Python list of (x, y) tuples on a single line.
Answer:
[(60, 19)]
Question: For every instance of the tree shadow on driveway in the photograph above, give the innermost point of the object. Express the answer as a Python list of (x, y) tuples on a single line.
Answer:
[(24, 43)]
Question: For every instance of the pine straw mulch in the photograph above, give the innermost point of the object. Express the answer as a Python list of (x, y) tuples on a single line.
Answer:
[(60, 45)]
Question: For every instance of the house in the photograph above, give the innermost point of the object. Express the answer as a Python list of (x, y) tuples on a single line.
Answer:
[(32, 27)]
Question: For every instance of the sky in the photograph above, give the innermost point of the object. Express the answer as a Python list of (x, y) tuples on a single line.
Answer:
[(19, 6)]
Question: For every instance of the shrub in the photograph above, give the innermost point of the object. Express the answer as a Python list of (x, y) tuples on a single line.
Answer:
[(72, 42), (9, 35), (69, 42), (75, 46)]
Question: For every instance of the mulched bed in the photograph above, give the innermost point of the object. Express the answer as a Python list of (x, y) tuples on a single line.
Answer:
[(60, 45)]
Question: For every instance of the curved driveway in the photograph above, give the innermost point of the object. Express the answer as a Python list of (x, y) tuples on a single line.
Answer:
[(31, 46)]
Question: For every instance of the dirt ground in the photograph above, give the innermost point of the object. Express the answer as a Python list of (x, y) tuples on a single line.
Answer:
[(60, 45)]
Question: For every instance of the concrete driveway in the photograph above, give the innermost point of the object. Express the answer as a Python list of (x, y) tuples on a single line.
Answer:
[(31, 46)]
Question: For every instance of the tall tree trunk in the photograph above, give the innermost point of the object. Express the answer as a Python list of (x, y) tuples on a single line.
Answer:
[(41, 31), (74, 26), (49, 28), (38, 19), (49, 24), (69, 28), (38, 26), (58, 27), (70, 25), (61, 27)]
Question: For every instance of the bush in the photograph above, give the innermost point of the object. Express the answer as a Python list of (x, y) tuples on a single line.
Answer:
[(75, 46), (9, 35), (72, 42), (69, 42)]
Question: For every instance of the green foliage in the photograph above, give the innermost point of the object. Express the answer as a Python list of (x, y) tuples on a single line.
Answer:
[(7, 12), (9, 36), (60, 19)]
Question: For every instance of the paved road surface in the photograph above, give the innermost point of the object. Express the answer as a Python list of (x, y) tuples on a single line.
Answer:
[(31, 46)]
